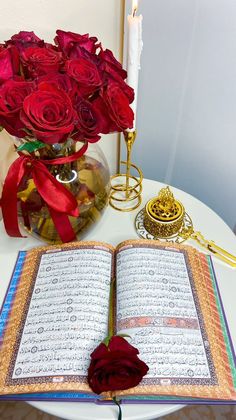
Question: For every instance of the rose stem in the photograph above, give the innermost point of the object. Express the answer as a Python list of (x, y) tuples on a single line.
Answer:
[(111, 309), (120, 412)]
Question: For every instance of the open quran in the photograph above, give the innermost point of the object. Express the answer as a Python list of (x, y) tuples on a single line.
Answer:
[(58, 306)]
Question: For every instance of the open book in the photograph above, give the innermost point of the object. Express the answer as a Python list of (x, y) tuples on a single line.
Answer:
[(56, 312)]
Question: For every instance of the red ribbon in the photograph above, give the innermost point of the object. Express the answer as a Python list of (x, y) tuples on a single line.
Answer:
[(61, 203)]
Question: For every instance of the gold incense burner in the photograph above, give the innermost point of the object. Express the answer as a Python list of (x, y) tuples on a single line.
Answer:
[(165, 218), (163, 215)]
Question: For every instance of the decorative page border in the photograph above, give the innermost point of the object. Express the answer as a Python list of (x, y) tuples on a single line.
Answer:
[(230, 352), (203, 283), (223, 321), (10, 293), (184, 381), (16, 324)]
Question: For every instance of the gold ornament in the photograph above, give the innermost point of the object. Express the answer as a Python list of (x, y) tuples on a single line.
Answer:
[(126, 189), (164, 217), (163, 214)]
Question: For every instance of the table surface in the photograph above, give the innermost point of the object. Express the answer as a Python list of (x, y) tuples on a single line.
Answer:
[(113, 228)]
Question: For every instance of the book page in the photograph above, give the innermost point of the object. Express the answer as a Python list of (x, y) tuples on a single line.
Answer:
[(158, 306), (65, 316), (161, 308)]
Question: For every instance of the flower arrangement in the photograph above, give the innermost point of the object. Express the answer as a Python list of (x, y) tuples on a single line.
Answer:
[(73, 88), (54, 97)]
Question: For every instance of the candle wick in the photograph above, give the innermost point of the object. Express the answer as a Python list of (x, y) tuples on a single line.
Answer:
[(134, 11)]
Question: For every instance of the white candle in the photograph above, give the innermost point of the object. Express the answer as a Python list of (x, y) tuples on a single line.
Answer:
[(135, 45)]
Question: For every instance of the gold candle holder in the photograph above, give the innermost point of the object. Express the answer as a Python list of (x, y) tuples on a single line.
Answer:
[(126, 189)]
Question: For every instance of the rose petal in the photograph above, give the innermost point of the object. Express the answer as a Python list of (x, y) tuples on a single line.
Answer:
[(48, 113), (120, 344)]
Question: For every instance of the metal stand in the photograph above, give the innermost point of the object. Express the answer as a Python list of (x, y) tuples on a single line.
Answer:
[(126, 189)]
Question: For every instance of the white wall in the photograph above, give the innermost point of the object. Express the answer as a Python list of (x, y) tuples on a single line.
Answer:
[(187, 99), (99, 18)]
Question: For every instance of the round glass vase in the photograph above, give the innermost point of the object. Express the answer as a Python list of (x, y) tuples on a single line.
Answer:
[(87, 178)]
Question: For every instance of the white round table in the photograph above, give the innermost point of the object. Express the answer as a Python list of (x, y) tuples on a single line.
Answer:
[(113, 228)]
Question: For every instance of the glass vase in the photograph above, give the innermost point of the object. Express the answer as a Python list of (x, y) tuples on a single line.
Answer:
[(87, 178)]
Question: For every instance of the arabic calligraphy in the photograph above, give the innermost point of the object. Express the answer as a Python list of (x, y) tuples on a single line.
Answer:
[(67, 315), (155, 302)]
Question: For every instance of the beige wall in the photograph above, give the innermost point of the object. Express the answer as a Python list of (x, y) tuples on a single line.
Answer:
[(98, 18)]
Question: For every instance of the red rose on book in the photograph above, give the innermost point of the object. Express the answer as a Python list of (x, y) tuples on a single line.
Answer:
[(48, 114), (38, 61), (12, 95), (115, 366)]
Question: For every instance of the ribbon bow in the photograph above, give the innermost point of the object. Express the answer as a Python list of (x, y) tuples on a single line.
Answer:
[(60, 201)]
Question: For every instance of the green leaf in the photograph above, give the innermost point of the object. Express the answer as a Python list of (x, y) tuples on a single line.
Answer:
[(31, 146), (1, 128)]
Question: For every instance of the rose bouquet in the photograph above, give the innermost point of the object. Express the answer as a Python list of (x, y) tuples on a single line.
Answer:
[(56, 99)]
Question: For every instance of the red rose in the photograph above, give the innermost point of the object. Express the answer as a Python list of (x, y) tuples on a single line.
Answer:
[(25, 39), (48, 114), (9, 63), (88, 124), (38, 61), (112, 70), (115, 367), (118, 108), (126, 89), (110, 64), (74, 45), (60, 80), (107, 124), (12, 95), (85, 73)]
